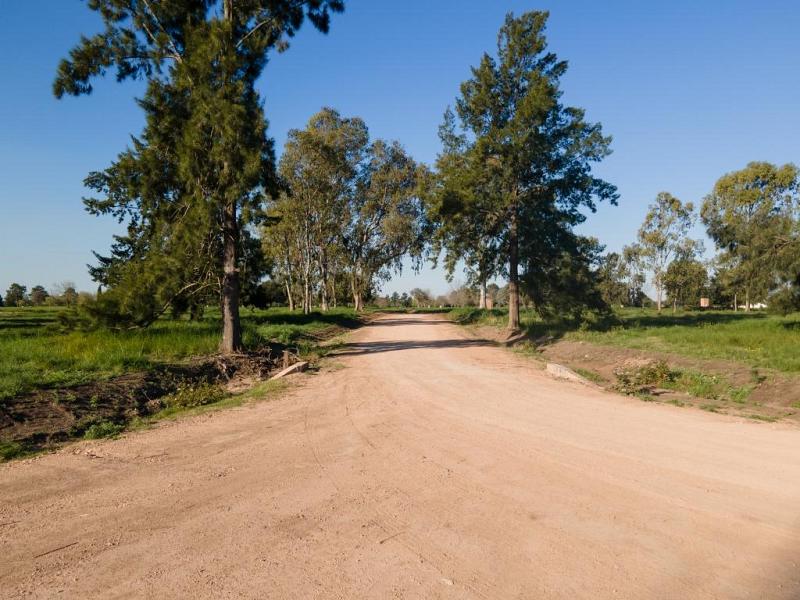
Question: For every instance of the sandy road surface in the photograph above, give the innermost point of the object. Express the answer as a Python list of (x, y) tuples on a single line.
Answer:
[(430, 466)]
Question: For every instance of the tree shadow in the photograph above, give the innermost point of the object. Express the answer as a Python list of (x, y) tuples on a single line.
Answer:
[(346, 321), (359, 348), (687, 320), (399, 322)]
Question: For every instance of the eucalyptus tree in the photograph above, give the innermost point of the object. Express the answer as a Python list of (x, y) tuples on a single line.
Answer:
[(685, 281), (320, 167), (195, 178), (663, 236), (752, 216), (386, 218), (525, 165)]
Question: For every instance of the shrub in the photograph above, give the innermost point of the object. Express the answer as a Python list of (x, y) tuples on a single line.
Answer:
[(9, 450), (635, 378), (103, 429), (189, 396)]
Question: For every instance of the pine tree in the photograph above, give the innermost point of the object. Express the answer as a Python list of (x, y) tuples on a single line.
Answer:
[(197, 175), (525, 166)]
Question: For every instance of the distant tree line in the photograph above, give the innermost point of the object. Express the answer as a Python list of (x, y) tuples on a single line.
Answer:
[(60, 294), (752, 216), (211, 217)]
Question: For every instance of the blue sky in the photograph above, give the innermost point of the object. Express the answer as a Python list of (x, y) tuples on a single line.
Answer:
[(689, 90)]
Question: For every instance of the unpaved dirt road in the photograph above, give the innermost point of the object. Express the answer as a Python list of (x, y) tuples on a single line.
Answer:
[(419, 464)]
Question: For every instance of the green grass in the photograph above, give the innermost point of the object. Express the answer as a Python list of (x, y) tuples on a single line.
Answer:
[(35, 353), (591, 375), (756, 339), (711, 387)]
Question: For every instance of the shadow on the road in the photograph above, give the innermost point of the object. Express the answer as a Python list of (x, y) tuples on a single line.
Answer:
[(357, 348), (393, 322)]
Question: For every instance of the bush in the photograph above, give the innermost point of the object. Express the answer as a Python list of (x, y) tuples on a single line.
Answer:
[(9, 450), (635, 378), (190, 396), (103, 429), (784, 301)]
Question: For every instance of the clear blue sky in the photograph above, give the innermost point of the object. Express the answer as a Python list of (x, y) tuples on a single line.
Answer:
[(689, 90)]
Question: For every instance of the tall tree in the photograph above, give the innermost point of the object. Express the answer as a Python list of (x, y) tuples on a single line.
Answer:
[(752, 217), (465, 229), (38, 295), (664, 235), (16, 295), (385, 218), (320, 167), (193, 181), (685, 281), (525, 162)]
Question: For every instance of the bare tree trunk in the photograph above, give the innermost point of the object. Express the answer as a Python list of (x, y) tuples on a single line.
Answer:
[(735, 302), (323, 268), (231, 326), (658, 292), (289, 296), (482, 300), (356, 293), (513, 275), (747, 299)]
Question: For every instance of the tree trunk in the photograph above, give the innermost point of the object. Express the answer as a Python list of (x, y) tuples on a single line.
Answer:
[(323, 267), (658, 294), (231, 327), (356, 293), (513, 275), (747, 299), (735, 302), (289, 297), (482, 301)]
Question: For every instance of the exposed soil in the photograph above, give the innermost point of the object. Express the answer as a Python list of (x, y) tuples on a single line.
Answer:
[(774, 394), (47, 417), (425, 465)]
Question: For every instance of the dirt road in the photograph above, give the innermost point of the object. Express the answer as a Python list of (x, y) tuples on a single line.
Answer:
[(419, 464)]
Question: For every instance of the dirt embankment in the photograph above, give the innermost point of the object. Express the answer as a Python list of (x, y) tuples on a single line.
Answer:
[(47, 417), (721, 386)]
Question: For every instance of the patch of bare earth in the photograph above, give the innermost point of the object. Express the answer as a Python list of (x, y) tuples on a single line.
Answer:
[(774, 395)]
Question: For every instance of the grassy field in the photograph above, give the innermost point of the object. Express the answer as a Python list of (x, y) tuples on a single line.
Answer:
[(35, 353), (756, 339)]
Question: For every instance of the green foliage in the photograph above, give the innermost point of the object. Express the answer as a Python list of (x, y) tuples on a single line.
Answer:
[(753, 339), (752, 216), (515, 174), (102, 429), (785, 300), (38, 295), (10, 450), (193, 395), (350, 211), (35, 352), (16, 295), (663, 236), (685, 281), (634, 379), (757, 340), (194, 179)]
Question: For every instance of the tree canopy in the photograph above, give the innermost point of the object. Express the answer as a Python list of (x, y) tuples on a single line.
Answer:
[(516, 172), (197, 175)]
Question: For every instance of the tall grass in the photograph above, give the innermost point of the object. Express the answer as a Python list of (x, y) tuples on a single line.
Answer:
[(756, 339), (34, 353)]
